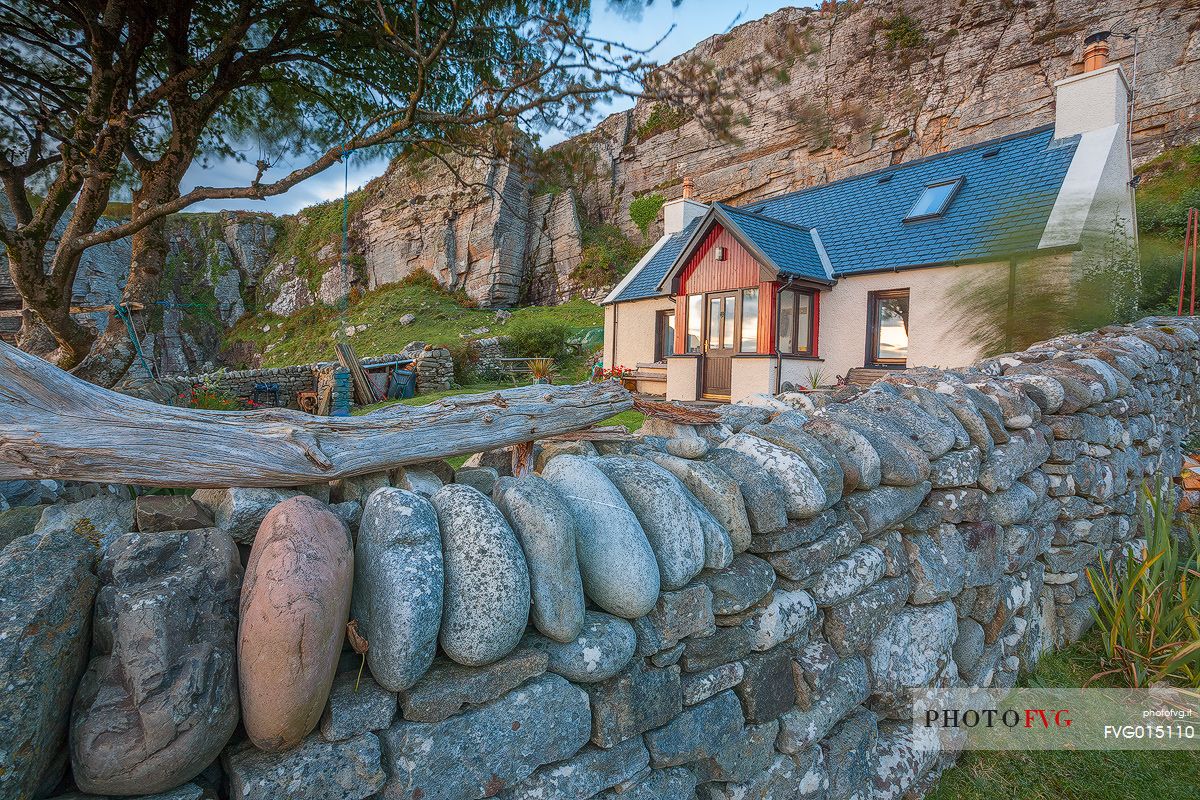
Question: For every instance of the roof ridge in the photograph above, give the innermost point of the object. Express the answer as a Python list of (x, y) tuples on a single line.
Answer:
[(906, 164), (744, 213)]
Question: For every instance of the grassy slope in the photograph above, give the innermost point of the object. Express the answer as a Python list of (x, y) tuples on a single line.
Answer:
[(1081, 775), (441, 319)]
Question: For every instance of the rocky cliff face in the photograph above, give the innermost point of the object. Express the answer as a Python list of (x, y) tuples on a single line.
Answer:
[(886, 81)]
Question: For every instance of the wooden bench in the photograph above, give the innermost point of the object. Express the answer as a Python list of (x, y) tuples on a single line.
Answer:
[(865, 376), (516, 368)]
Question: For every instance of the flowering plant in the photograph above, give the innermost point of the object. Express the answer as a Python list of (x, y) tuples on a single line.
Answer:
[(616, 373), (212, 395)]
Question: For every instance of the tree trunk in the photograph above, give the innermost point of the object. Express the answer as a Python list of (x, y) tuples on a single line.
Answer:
[(48, 299), (113, 352), (53, 425)]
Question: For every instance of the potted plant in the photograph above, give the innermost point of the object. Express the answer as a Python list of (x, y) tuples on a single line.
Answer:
[(541, 369)]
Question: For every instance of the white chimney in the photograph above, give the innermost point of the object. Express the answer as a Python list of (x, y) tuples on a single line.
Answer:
[(678, 213), (1096, 98), (1095, 201)]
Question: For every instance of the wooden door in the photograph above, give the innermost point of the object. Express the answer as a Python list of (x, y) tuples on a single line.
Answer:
[(720, 340)]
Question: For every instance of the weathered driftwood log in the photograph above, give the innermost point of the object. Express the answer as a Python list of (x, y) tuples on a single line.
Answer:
[(53, 425)]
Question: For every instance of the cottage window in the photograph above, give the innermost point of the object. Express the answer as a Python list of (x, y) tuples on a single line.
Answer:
[(934, 201), (887, 328), (795, 322), (749, 343), (664, 335), (695, 322)]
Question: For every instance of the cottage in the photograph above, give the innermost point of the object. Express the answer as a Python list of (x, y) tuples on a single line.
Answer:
[(858, 273)]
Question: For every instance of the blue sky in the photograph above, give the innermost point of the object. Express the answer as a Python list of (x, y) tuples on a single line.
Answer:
[(691, 22)]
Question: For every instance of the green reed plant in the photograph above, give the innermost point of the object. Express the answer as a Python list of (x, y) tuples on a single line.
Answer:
[(1149, 610)]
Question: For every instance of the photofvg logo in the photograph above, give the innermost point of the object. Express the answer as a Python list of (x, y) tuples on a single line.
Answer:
[(1056, 719)]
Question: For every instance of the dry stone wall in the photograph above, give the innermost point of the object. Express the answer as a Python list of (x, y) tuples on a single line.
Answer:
[(435, 372), (733, 610)]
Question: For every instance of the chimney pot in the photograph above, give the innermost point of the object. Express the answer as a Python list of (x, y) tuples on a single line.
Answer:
[(1095, 51), (689, 188)]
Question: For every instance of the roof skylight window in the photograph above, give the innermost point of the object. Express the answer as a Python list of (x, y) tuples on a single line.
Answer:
[(934, 201)]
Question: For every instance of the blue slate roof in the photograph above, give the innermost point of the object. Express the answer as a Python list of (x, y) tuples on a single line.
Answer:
[(790, 248), (1001, 208), (645, 283), (1009, 187)]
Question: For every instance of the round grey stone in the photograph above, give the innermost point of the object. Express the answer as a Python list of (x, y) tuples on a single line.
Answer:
[(546, 529), (398, 585), (667, 515), (602, 649), (804, 495), (619, 571), (485, 604)]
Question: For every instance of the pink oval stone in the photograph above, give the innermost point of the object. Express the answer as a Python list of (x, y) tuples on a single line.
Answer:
[(294, 609)]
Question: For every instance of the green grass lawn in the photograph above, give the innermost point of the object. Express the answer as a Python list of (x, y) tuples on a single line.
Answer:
[(441, 319), (1081, 775)]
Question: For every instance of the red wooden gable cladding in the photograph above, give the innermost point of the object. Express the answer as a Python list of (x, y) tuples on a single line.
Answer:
[(740, 270)]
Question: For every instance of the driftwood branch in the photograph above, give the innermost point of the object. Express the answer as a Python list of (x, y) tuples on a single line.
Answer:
[(53, 425)]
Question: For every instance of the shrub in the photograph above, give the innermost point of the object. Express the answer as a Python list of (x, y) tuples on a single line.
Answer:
[(902, 33), (644, 210), (466, 362), (1149, 606), (607, 255), (539, 338), (662, 118)]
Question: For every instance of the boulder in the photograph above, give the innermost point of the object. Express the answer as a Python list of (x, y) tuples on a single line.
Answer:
[(785, 617), (852, 625), (818, 458), (159, 699), (666, 513), (879, 509), (46, 591), (486, 594), (100, 519), (316, 770), (844, 688), (170, 512), (637, 700), (17, 522), (481, 478), (240, 512), (922, 428), (740, 585), (847, 576), (762, 493), (700, 731), (901, 462), (294, 607), (803, 492), (619, 571), (603, 648), (907, 653), (357, 705), (858, 460), (591, 770), (398, 585), (716, 491), (546, 530), (448, 687), (485, 750), (418, 481)]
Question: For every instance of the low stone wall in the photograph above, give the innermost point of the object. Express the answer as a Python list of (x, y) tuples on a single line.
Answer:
[(435, 372), (724, 611)]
